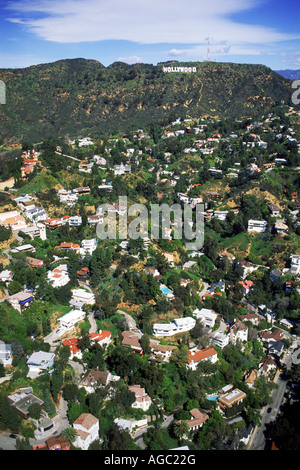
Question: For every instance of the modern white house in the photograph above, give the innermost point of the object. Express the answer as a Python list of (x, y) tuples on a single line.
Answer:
[(257, 225), (220, 339), (40, 361), (206, 315), (5, 354), (88, 246), (180, 325), (220, 215), (75, 221), (87, 428), (58, 277), (83, 296), (295, 263), (68, 321)]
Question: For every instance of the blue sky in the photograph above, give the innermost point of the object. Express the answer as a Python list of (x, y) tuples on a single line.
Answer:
[(150, 31)]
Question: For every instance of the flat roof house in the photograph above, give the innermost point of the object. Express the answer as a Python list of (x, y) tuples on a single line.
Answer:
[(81, 295), (206, 315), (40, 361), (68, 321), (21, 300), (234, 397), (257, 225)]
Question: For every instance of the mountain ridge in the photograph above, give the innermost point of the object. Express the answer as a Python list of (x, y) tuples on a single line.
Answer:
[(79, 96)]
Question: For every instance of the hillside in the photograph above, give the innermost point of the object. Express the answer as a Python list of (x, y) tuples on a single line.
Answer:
[(78, 96), (289, 73)]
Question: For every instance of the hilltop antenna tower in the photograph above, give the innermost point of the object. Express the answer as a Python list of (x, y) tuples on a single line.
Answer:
[(208, 51)]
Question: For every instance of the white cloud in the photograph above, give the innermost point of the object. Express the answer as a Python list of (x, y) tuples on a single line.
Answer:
[(146, 22)]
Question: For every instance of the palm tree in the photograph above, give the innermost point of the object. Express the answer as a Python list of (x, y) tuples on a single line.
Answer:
[(70, 434), (180, 429)]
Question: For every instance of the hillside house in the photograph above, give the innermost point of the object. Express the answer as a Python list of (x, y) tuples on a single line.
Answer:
[(272, 336), (196, 357), (281, 227), (73, 346), (295, 263), (266, 366), (6, 276), (103, 338), (257, 226), (40, 361), (197, 420), (160, 352), (58, 277), (95, 378), (87, 428), (246, 286), (142, 399), (83, 296), (252, 317), (132, 340), (179, 325), (206, 316), (6, 354), (220, 339), (274, 210), (234, 397), (238, 332), (54, 443), (21, 300), (68, 321)]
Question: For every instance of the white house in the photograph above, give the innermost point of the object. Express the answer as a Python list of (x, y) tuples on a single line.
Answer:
[(180, 325), (68, 321), (87, 428), (83, 296), (295, 263), (88, 246), (5, 354), (75, 221), (257, 225), (220, 215), (58, 277), (207, 316), (195, 357), (239, 331), (40, 361), (142, 399), (220, 339), (6, 276)]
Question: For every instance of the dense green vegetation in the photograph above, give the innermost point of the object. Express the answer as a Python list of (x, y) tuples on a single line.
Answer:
[(73, 97)]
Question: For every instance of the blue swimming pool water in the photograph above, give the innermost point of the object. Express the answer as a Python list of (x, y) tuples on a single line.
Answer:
[(165, 290)]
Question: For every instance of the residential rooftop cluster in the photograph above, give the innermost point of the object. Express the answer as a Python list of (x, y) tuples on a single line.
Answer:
[(149, 344)]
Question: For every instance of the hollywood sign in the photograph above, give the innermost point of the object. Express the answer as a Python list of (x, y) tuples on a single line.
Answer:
[(180, 69)]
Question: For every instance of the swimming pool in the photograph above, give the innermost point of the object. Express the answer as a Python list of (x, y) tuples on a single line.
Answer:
[(212, 398), (165, 290)]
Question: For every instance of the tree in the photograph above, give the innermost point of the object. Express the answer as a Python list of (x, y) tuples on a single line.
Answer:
[(180, 429), (145, 343), (34, 411), (180, 356), (70, 434)]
